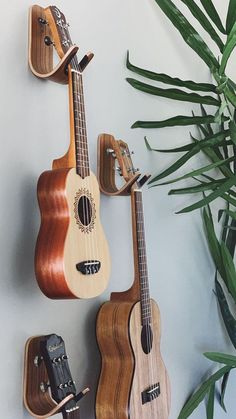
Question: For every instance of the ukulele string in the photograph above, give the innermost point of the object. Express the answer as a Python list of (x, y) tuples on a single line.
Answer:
[(92, 243), (142, 262), (79, 150), (147, 301), (143, 273), (80, 162), (76, 66)]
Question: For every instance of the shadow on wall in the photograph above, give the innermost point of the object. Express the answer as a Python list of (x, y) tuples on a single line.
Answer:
[(23, 251)]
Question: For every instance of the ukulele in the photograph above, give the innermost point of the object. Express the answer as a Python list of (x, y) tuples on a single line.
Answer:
[(71, 257), (133, 382), (48, 385)]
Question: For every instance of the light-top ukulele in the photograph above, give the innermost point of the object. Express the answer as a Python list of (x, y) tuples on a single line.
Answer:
[(71, 258), (133, 382)]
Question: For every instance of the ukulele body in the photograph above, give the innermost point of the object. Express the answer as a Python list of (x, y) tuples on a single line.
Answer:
[(127, 371), (71, 256)]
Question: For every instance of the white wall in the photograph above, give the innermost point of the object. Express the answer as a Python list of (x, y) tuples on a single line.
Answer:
[(34, 130)]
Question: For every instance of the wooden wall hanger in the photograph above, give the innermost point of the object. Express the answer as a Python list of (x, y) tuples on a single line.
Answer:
[(40, 374), (41, 48), (110, 152)]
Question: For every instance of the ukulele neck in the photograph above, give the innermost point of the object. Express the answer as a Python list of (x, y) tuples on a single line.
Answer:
[(141, 282), (78, 121)]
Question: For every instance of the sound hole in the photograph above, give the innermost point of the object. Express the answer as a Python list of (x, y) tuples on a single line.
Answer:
[(146, 338), (84, 209)]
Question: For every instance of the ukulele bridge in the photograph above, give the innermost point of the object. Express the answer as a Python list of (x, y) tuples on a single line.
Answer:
[(151, 393), (88, 267)]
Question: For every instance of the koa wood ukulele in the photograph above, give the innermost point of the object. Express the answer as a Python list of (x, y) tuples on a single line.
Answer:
[(133, 381), (71, 258), (48, 385)]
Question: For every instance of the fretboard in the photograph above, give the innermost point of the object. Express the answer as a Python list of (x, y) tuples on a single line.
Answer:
[(142, 259), (80, 131)]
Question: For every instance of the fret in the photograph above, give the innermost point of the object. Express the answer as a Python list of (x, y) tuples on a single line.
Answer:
[(142, 260), (80, 131)]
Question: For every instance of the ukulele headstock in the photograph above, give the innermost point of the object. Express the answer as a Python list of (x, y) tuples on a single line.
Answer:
[(48, 385), (54, 355), (59, 28), (114, 156), (125, 164)]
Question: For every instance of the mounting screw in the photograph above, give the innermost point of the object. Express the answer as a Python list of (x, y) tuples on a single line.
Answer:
[(44, 387), (48, 41), (42, 21), (37, 360)]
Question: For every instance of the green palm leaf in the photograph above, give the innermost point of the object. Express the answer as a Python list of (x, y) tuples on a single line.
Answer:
[(189, 34), (229, 47), (229, 183), (229, 270), (196, 189), (229, 320), (202, 19), (213, 242), (222, 358), (231, 16), (223, 389), (180, 120), (210, 402), (164, 78), (200, 394), (212, 13), (196, 172), (200, 145), (174, 94)]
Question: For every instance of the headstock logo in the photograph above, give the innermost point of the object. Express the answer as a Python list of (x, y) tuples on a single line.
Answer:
[(53, 348)]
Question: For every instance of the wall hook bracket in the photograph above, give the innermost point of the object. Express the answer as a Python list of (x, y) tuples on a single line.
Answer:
[(41, 49), (38, 402), (109, 153), (38, 399)]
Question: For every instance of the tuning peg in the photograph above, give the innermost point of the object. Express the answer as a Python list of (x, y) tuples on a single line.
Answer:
[(71, 383), (85, 61), (118, 169), (48, 41), (44, 387), (58, 360), (42, 21), (111, 152), (37, 360), (133, 170)]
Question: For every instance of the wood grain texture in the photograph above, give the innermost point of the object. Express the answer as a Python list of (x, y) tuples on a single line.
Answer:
[(112, 401), (62, 244), (126, 370), (106, 164), (40, 55), (68, 160), (149, 370), (38, 404)]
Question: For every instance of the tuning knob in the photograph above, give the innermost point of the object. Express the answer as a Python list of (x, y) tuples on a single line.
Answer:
[(48, 41), (110, 151), (118, 169), (44, 387), (42, 21), (133, 170), (71, 383), (37, 360)]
